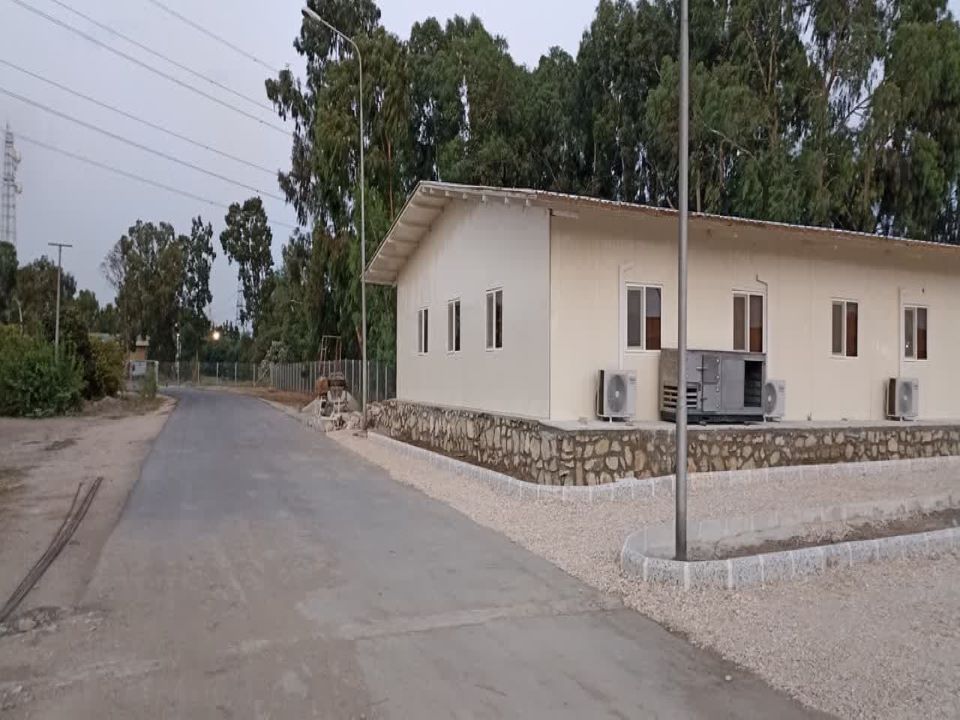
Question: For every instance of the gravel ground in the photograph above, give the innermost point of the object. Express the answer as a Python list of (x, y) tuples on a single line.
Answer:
[(877, 641)]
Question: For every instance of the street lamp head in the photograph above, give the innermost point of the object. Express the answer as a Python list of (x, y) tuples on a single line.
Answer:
[(216, 335)]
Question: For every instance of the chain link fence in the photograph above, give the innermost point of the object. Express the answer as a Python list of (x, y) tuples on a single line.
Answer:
[(300, 377), (207, 373)]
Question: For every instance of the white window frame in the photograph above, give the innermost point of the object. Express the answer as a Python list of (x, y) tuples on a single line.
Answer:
[(423, 331), (914, 307), (490, 340), (454, 326), (624, 329), (746, 294), (843, 302)]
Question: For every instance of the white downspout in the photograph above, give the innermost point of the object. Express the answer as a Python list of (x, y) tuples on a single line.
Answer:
[(622, 319), (899, 344), (767, 336)]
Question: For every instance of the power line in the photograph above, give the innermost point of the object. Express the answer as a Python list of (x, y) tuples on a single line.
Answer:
[(145, 66), (138, 178), (140, 120), (139, 146), (211, 34), (145, 48)]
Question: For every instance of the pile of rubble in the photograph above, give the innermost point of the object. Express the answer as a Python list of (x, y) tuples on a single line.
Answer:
[(349, 420)]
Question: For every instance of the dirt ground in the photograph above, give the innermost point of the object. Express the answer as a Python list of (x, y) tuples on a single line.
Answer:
[(880, 641), (41, 464)]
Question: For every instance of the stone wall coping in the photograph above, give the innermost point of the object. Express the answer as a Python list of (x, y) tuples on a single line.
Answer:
[(786, 565), (633, 488), (658, 540), (597, 426)]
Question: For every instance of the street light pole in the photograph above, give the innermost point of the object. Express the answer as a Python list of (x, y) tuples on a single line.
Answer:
[(311, 15), (681, 423), (56, 332)]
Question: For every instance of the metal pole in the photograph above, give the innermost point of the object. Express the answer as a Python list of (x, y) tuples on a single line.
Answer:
[(308, 13), (363, 260), (56, 331), (681, 434)]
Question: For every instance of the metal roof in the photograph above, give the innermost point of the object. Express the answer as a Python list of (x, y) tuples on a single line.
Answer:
[(429, 199)]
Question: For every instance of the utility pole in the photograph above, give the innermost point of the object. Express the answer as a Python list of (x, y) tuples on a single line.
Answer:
[(681, 424), (178, 353), (10, 190), (56, 332)]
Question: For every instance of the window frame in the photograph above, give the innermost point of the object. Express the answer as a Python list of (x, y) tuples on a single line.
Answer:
[(915, 308), (844, 330), (490, 331), (625, 328), (747, 295), (423, 330), (454, 326)]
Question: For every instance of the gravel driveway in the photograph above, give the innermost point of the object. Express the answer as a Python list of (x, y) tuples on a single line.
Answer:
[(878, 641)]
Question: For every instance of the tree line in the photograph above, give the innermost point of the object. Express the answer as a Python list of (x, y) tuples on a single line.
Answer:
[(823, 112)]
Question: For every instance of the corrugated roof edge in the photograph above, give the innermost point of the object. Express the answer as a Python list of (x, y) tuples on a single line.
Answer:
[(556, 199)]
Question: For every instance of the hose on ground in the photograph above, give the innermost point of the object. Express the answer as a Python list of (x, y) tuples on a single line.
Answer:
[(69, 525)]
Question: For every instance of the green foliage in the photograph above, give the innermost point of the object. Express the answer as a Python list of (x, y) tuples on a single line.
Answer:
[(108, 362), (33, 382), (37, 293), (87, 308), (842, 114), (148, 386), (246, 241), (162, 281), (8, 281), (198, 260)]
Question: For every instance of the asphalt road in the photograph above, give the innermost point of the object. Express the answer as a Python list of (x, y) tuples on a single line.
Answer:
[(261, 571)]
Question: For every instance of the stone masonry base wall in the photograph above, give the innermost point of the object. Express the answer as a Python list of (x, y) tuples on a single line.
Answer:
[(530, 450)]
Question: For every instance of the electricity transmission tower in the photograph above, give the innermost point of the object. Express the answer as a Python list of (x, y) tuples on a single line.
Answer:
[(8, 209)]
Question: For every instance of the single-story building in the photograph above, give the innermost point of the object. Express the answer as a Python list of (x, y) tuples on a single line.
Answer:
[(511, 301)]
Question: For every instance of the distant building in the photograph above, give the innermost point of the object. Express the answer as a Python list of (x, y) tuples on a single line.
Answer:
[(511, 301), (140, 349)]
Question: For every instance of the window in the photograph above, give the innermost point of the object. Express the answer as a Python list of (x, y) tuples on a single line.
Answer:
[(844, 322), (748, 322), (453, 326), (494, 319), (643, 317), (423, 330), (915, 333)]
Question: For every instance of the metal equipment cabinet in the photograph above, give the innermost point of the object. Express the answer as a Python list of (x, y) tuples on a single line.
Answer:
[(721, 385)]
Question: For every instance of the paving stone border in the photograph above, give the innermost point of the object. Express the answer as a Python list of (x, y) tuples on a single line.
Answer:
[(645, 553), (638, 488)]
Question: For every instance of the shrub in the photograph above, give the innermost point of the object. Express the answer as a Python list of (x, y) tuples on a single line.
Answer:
[(148, 386), (108, 368), (33, 382)]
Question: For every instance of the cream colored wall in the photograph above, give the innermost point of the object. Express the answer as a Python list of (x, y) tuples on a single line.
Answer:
[(592, 254), (472, 248)]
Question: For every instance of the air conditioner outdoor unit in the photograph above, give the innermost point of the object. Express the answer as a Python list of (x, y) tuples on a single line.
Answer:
[(774, 399), (617, 394), (903, 398)]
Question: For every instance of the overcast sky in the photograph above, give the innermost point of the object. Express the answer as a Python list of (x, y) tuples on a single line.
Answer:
[(68, 201)]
